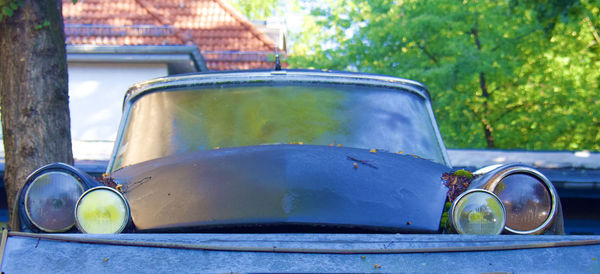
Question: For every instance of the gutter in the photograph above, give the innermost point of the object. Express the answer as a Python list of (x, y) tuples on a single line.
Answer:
[(141, 54)]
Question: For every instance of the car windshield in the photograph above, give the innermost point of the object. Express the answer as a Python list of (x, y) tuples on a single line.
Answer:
[(175, 121)]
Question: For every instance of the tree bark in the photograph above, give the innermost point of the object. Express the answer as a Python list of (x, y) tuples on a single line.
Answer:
[(33, 90), (486, 124)]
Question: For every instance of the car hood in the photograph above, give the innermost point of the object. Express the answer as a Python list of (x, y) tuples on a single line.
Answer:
[(285, 185)]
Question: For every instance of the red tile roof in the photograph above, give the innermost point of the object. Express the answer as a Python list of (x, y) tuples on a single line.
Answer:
[(226, 39)]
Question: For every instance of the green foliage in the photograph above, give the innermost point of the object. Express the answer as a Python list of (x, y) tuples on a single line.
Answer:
[(256, 9), (506, 74), (43, 25), (463, 173), (8, 8), (445, 222)]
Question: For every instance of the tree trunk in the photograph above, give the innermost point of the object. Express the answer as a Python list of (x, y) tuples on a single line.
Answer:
[(487, 126), (33, 90)]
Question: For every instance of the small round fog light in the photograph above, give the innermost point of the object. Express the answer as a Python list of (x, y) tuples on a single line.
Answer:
[(478, 211), (101, 210)]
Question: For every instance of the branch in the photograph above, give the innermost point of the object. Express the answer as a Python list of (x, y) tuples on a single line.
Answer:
[(422, 47), (487, 132), (512, 40), (483, 86), (487, 126), (475, 33), (594, 32), (509, 109)]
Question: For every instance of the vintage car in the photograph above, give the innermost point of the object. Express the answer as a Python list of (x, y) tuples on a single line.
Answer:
[(285, 151)]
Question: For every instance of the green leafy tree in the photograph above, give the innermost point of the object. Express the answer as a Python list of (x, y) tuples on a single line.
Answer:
[(33, 89), (256, 9), (504, 74)]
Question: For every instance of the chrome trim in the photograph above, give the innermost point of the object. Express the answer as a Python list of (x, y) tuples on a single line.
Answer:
[(3, 246), (127, 209), (462, 195), (27, 198), (283, 76), (438, 134), (495, 176), (274, 76)]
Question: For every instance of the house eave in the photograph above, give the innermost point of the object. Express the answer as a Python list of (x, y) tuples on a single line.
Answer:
[(180, 58)]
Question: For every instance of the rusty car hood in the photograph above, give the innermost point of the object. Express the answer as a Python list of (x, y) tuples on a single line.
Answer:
[(290, 185)]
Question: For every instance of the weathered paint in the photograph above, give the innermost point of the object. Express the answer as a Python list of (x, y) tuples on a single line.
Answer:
[(30, 255), (286, 185)]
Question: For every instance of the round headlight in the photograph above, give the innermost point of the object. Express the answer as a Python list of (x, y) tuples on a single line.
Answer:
[(102, 210), (478, 211), (530, 199), (50, 200), (528, 202)]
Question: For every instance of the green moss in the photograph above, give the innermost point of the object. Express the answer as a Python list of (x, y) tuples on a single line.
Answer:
[(464, 173)]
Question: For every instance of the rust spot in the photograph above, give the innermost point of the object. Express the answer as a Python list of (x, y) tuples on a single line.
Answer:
[(108, 181), (456, 184), (363, 162)]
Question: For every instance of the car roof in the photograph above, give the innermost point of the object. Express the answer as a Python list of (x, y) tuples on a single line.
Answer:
[(273, 76)]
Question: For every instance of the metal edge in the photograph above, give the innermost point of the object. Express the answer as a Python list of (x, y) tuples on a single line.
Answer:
[(507, 170), (3, 246), (119, 194), (451, 215), (153, 243), (83, 178), (440, 139), (84, 50), (275, 76), (324, 77), (80, 184)]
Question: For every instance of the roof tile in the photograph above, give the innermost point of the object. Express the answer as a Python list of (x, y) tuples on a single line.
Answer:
[(224, 36)]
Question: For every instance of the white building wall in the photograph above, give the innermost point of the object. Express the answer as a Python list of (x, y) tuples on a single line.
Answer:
[(96, 93)]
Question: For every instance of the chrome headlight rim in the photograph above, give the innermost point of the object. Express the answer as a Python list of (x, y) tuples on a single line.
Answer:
[(119, 194), (26, 223), (511, 169), (469, 192), (27, 211)]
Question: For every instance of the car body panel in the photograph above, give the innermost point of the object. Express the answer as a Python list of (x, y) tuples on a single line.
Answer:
[(286, 185), (162, 253), (289, 185)]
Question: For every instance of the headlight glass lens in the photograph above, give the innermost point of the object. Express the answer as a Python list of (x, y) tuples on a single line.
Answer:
[(50, 200), (478, 212), (102, 210), (527, 200)]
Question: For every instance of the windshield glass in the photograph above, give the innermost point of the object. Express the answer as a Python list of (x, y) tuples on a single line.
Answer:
[(170, 122)]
